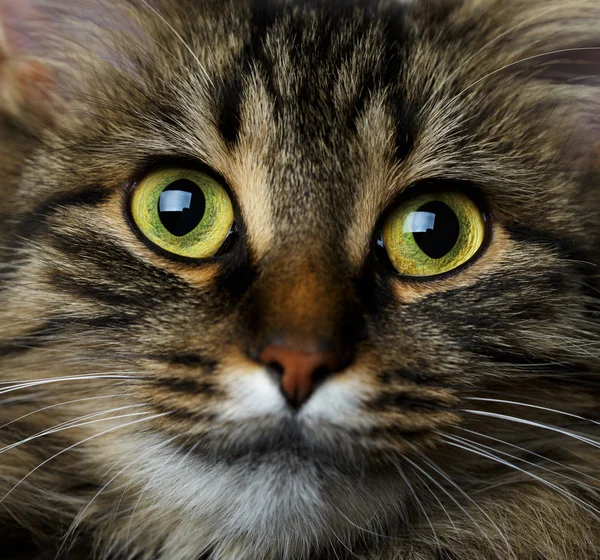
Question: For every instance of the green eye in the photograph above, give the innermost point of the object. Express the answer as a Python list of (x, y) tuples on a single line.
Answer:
[(184, 212), (433, 233)]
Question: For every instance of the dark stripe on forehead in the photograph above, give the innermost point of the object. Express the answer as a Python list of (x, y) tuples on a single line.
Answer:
[(230, 87), (317, 37), (230, 93), (386, 75)]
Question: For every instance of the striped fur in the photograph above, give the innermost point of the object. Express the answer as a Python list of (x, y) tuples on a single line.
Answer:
[(135, 420)]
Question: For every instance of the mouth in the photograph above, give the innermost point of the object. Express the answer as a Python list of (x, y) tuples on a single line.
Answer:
[(278, 439), (295, 442), (283, 478)]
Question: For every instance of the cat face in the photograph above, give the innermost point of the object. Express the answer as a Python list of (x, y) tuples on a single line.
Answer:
[(264, 258)]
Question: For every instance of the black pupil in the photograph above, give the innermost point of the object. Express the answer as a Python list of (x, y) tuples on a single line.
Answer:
[(181, 207), (435, 228)]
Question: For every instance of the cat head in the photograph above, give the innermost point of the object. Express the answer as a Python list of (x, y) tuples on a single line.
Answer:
[(287, 245)]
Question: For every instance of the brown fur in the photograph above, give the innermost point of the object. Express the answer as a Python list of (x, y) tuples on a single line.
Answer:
[(317, 116)]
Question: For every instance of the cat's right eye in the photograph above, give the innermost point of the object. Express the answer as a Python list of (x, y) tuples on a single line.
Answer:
[(184, 212)]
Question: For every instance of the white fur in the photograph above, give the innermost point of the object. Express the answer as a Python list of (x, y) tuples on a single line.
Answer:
[(276, 505), (254, 393), (274, 508), (338, 402)]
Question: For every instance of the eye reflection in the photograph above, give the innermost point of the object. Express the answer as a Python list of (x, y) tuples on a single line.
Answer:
[(175, 201), (419, 222)]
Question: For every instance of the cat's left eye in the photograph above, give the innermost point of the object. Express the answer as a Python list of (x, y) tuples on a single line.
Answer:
[(433, 233), (184, 212)]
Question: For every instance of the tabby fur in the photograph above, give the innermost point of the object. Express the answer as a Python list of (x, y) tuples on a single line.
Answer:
[(135, 420)]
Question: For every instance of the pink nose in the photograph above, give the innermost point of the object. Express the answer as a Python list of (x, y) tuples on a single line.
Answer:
[(299, 371)]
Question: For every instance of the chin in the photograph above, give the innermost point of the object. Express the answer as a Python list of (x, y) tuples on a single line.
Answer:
[(258, 502), (269, 482)]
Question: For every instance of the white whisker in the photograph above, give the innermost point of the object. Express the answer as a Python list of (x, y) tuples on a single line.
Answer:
[(457, 503), (528, 451), (420, 505), (477, 450), (517, 403), (436, 468), (72, 424), (110, 430), (525, 422), (435, 497), (57, 406), (29, 384), (81, 514)]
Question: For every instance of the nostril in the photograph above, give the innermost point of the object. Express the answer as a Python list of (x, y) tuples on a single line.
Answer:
[(276, 368)]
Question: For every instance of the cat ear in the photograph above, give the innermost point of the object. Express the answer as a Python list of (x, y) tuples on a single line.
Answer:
[(50, 50)]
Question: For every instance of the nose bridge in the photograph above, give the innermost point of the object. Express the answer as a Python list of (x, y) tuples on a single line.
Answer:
[(303, 301), (300, 305)]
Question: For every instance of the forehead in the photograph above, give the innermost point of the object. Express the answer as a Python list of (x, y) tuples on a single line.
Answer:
[(318, 114), (303, 106)]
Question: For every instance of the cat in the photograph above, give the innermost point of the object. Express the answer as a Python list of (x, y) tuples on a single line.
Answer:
[(300, 279)]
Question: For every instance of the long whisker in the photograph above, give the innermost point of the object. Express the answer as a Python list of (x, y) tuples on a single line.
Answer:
[(517, 403), (446, 477), (74, 424), (110, 430), (81, 514), (420, 505), (517, 420), (477, 449), (516, 458), (457, 503), (435, 497), (57, 406), (358, 527), (30, 384), (127, 375), (528, 451)]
